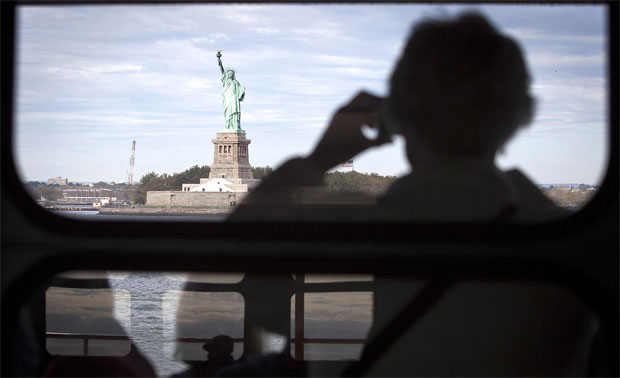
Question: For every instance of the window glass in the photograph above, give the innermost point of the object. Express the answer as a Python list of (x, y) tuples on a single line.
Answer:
[(204, 316), (335, 325), (213, 277), (119, 110), (317, 278), (166, 317), (81, 322), (269, 324)]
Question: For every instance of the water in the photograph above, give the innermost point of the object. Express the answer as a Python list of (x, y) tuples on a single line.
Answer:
[(146, 306), (95, 216), (152, 309)]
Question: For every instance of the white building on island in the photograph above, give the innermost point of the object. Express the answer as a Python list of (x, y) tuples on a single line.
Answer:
[(229, 181), (210, 185)]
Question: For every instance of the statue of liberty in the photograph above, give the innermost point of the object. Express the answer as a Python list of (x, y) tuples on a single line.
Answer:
[(232, 94)]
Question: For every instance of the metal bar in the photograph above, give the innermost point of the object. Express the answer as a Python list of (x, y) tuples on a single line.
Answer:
[(85, 338), (331, 341), (203, 339), (61, 335), (294, 341), (319, 287), (299, 318), (314, 340), (325, 287)]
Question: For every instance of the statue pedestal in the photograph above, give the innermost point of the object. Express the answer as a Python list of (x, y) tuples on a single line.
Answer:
[(229, 131), (231, 160)]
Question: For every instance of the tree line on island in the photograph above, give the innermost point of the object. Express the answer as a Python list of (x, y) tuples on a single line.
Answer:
[(338, 181), (156, 182), (369, 183)]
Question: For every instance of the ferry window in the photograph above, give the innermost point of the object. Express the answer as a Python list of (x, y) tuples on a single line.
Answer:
[(204, 316), (167, 318), (213, 277), (318, 278), (114, 115), (315, 324), (330, 316), (81, 321), (177, 320), (334, 325)]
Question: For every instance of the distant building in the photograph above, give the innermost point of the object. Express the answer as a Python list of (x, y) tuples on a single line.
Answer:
[(88, 194), (57, 181), (210, 185)]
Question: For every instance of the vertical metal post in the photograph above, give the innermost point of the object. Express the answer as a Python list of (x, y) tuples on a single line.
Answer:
[(85, 345), (299, 319)]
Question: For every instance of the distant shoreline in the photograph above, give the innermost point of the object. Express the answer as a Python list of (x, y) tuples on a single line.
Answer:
[(163, 210)]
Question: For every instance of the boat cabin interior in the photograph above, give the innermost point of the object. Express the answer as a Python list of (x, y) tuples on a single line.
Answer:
[(307, 289)]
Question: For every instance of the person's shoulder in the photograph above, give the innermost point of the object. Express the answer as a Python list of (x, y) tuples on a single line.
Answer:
[(530, 202), (402, 187)]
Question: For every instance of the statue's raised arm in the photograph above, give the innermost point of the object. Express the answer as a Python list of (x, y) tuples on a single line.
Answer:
[(219, 60)]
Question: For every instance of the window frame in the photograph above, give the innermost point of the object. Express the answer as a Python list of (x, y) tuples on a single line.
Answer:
[(405, 231), (579, 252)]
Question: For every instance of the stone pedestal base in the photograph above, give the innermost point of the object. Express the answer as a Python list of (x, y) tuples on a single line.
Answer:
[(231, 157), (231, 170)]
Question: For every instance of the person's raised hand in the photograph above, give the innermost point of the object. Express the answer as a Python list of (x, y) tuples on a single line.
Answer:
[(344, 138)]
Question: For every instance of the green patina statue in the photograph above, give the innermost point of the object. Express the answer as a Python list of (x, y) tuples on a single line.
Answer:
[(232, 95)]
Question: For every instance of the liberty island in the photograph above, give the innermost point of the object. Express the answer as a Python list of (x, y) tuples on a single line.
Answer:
[(230, 177)]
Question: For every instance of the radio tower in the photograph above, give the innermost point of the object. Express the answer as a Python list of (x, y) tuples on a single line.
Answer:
[(132, 158)]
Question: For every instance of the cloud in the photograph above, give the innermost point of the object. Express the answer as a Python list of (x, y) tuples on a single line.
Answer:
[(266, 30), (536, 34), (94, 118), (212, 38), (242, 14), (198, 83), (318, 34), (571, 102), (563, 61), (96, 75), (115, 69)]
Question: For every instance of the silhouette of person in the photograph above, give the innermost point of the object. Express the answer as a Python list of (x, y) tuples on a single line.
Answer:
[(458, 93), (268, 365), (219, 350)]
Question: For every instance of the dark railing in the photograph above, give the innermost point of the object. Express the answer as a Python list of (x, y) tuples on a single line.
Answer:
[(203, 339), (299, 288), (85, 337), (293, 341)]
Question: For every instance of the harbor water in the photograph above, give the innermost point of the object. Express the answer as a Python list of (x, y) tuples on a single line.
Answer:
[(146, 307), (95, 216), (153, 311)]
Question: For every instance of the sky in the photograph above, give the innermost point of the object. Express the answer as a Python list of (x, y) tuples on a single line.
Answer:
[(91, 79)]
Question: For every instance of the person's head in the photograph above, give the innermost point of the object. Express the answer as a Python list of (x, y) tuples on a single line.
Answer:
[(460, 88), (230, 73), (219, 347)]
